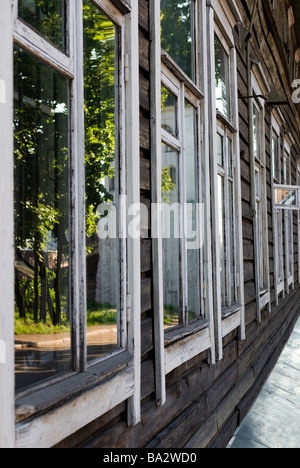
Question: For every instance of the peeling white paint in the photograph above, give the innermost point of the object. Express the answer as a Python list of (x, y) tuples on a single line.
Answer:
[(2, 352), (2, 92)]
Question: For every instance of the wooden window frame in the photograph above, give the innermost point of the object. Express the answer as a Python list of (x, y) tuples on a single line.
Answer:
[(182, 94), (99, 387), (277, 215), (288, 221), (223, 171), (263, 295), (171, 63), (298, 221), (222, 18), (261, 215), (186, 342)]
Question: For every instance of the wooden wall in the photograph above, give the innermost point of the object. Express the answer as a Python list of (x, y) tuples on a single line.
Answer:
[(205, 403)]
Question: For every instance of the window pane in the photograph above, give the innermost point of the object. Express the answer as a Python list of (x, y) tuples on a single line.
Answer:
[(169, 112), (232, 242), (220, 153), (171, 241), (262, 259), (192, 198), (221, 198), (177, 33), (47, 17), (276, 158), (230, 157), (102, 182), (222, 79), (286, 169), (286, 197), (42, 312), (290, 241), (279, 237), (256, 126)]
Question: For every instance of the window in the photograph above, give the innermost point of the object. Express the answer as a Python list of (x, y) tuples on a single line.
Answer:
[(179, 33), (180, 177), (298, 216), (181, 209), (225, 179), (222, 64), (278, 215), (262, 251), (288, 220), (42, 201), (49, 19), (104, 250), (227, 219), (77, 272)]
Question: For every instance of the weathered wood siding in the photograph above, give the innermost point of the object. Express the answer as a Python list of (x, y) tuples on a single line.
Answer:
[(205, 403)]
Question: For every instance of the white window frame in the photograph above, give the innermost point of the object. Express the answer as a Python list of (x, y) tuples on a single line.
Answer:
[(223, 171), (7, 376), (171, 63), (182, 94), (97, 388), (298, 221), (187, 342), (263, 296), (222, 19), (288, 220), (277, 215)]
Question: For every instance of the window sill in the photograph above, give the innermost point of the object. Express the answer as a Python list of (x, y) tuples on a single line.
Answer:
[(179, 333), (231, 310), (72, 386), (187, 348), (265, 298)]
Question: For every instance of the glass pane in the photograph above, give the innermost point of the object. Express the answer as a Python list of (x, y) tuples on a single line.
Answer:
[(261, 239), (220, 153), (256, 125), (286, 198), (232, 242), (279, 237), (275, 159), (102, 183), (47, 17), (230, 157), (222, 79), (286, 169), (291, 247), (169, 112), (177, 33), (192, 198), (171, 234), (41, 174), (221, 198)]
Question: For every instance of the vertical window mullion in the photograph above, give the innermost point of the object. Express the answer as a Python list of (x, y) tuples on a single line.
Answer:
[(227, 224), (199, 227), (182, 197)]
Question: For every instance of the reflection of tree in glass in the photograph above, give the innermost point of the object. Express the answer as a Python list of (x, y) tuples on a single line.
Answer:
[(41, 190), (46, 16), (176, 32), (100, 70), (167, 183), (222, 78)]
